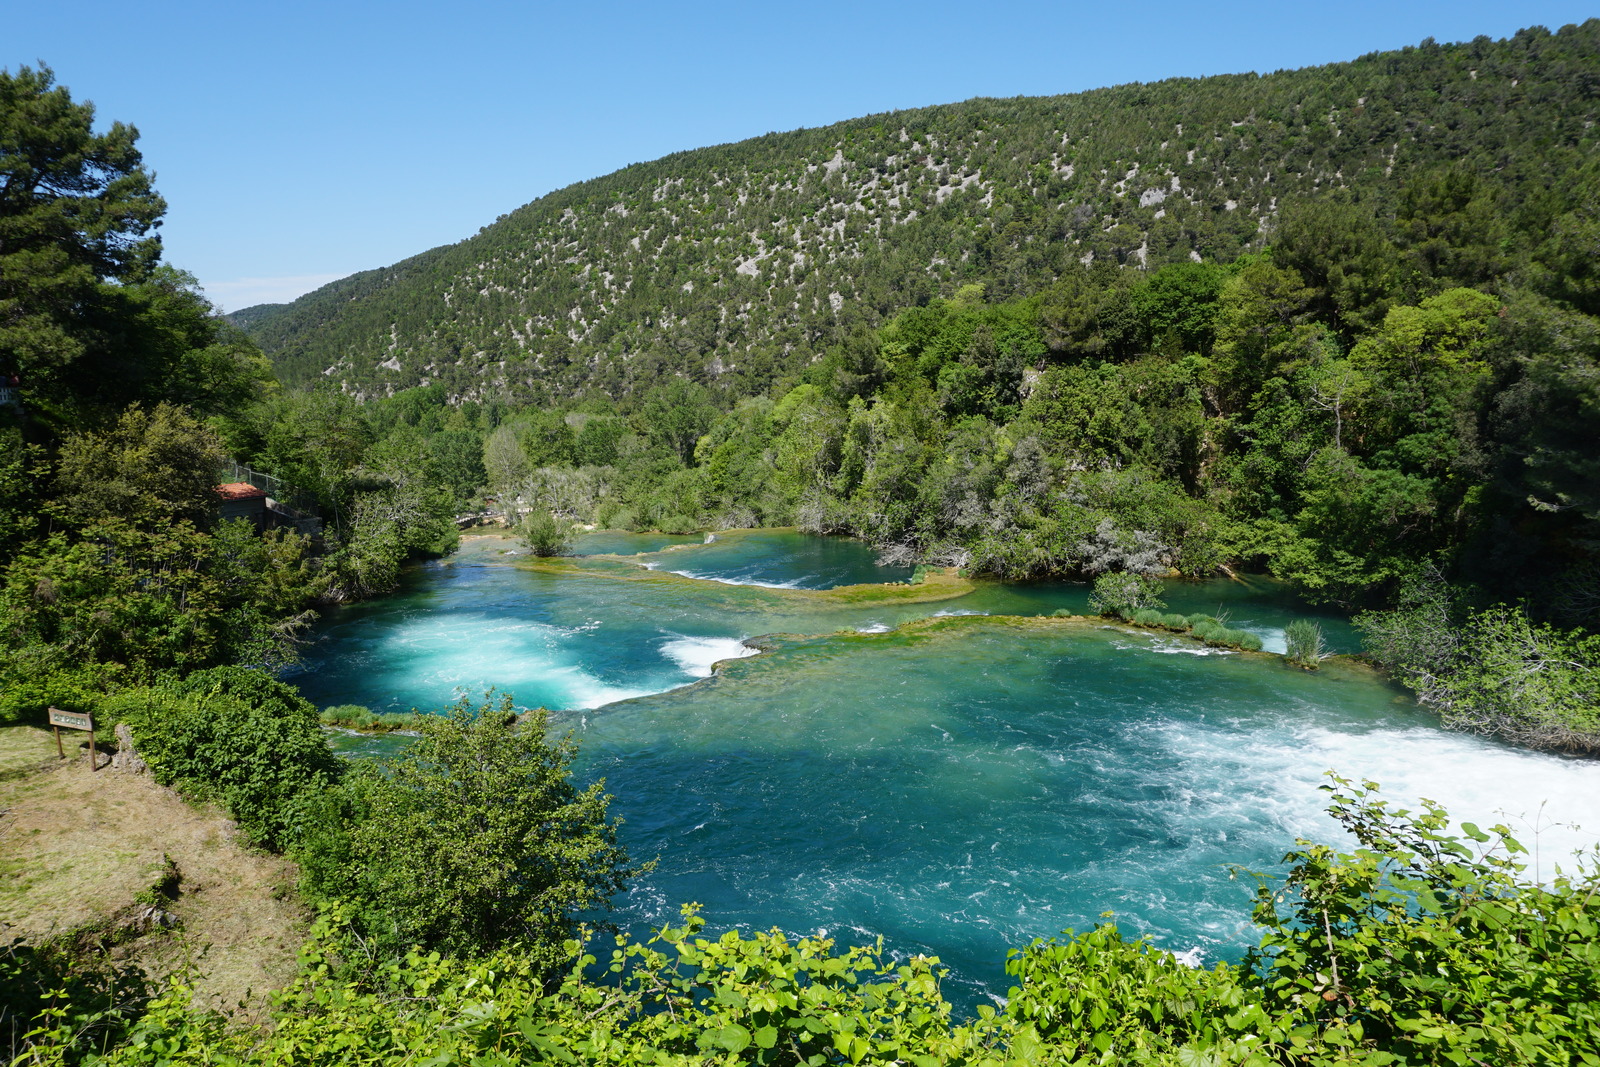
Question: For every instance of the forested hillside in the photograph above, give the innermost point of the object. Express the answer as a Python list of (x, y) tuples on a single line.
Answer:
[(1338, 325), (737, 264)]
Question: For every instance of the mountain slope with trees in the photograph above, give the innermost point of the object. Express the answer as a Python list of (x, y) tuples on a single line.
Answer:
[(734, 265), (1337, 324)]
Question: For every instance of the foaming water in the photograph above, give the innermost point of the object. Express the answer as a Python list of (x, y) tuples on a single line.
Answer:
[(778, 559), (740, 579), (696, 656), (962, 792), (956, 788)]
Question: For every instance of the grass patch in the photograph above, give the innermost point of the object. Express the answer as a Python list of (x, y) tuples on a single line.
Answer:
[(364, 720), (25, 749), (84, 854)]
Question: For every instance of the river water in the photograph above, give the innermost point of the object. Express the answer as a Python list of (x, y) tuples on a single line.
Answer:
[(956, 776)]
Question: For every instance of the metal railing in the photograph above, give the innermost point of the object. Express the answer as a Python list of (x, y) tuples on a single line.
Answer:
[(282, 498)]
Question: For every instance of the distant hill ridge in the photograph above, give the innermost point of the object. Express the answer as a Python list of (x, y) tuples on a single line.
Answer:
[(738, 263)]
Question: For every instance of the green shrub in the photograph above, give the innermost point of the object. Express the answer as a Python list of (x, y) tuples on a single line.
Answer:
[(26, 696), (76, 1004), (1147, 617), (343, 714), (1493, 671), (473, 837), (1302, 639), (678, 524), (1175, 622), (1120, 594), (610, 515), (1227, 637), (359, 717), (1207, 630), (238, 737), (544, 534)]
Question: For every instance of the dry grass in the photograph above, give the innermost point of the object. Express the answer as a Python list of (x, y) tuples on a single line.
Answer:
[(24, 751), (77, 848)]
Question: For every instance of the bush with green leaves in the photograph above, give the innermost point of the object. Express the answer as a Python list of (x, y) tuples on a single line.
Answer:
[(59, 1005), (240, 738), (1122, 593), (545, 534), (26, 695), (1247, 641), (1429, 947), (1418, 947), (1492, 671), (362, 718), (473, 837)]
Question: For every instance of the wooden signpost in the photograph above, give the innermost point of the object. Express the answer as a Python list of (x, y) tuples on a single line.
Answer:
[(74, 720)]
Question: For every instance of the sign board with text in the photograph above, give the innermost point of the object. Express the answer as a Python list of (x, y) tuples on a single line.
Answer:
[(74, 720)]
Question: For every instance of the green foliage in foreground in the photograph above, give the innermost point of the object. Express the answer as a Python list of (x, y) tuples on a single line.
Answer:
[(1417, 947), (473, 837), (1491, 671), (75, 1006), (238, 737)]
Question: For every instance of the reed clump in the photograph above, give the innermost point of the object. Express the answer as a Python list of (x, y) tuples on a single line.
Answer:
[(364, 720)]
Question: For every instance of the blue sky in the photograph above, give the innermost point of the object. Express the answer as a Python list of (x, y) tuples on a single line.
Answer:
[(297, 142)]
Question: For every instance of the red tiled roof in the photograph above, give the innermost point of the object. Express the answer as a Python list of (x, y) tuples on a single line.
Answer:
[(239, 491)]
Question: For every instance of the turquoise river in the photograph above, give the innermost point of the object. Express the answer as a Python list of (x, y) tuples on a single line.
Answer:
[(956, 775)]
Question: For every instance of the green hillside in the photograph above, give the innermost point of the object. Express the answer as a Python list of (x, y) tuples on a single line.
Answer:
[(735, 264)]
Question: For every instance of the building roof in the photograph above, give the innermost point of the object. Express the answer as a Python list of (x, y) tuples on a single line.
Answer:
[(240, 491)]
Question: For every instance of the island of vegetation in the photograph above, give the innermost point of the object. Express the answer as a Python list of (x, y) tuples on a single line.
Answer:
[(1339, 325)]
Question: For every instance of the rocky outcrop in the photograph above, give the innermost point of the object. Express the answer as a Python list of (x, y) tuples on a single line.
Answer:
[(127, 757)]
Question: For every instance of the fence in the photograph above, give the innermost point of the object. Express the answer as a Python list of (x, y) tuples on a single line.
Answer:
[(288, 503)]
